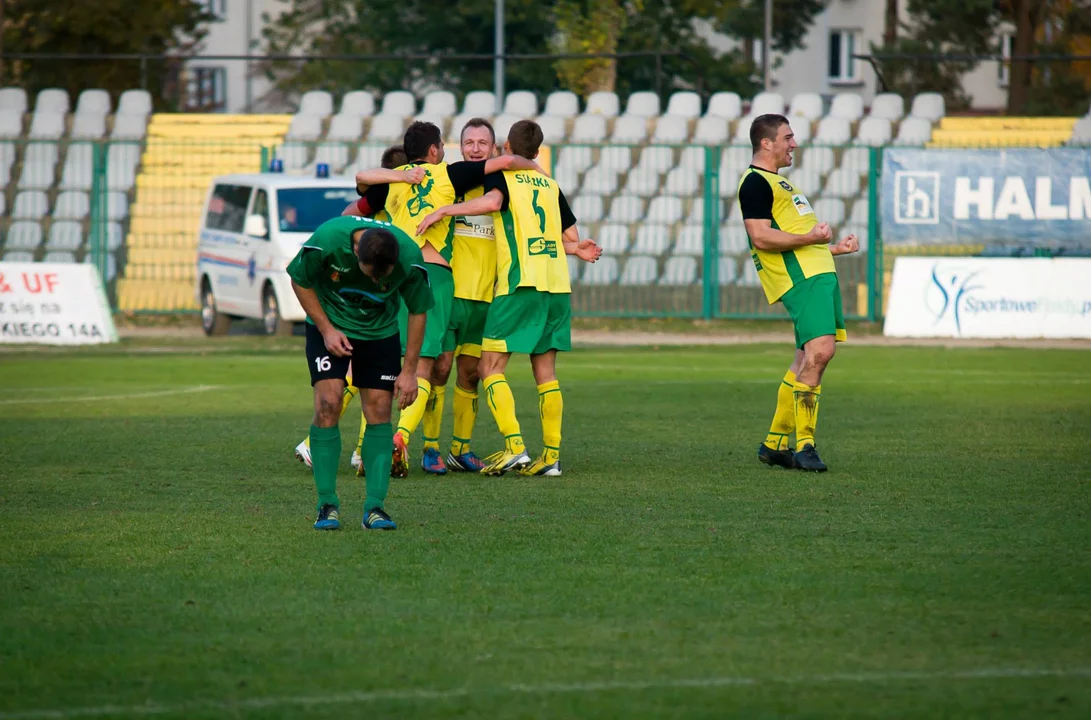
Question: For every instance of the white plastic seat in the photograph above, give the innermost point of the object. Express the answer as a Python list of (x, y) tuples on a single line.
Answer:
[(52, 101), (568, 179), (603, 103), (295, 156), (742, 131), (129, 126), (679, 272), (684, 104), (693, 158), (345, 128), (652, 239), (577, 158), (13, 99), (727, 105), (600, 180), (78, 170), (914, 131), (603, 272), (727, 271), (842, 183), (65, 235), (666, 210), (37, 176), (502, 124), (360, 103), (72, 205), (873, 131), (521, 103), (815, 158), (305, 127), (801, 129), (117, 206), (439, 121), (11, 123), (553, 129), (734, 215), (111, 265), (929, 106), (733, 240), (87, 126), (860, 212), (807, 181), (806, 105), (642, 182), (386, 129), (630, 129), (316, 102), (856, 159), (41, 153), (613, 239), (617, 158), (114, 236), (574, 264), (733, 161), (30, 205), (847, 106), (832, 130), (691, 241), (682, 182), (333, 154), (642, 104), (368, 157), (696, 215), (46, 125), (19, 256), (588, 208), (123, 154), (135, 102), (830, 210), (656, 159), (121, 162), (458, 123), (767, 102), (479, 103), (58, 256), (588, 129), (671, 129), (23, 235), (625, 209), (889, 106), (562, 103), (440, 103), (749, 275), (639, 270), (710, 130), (1081, 132), (399, 103)]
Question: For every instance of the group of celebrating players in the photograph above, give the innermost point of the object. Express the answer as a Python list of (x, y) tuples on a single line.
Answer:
[(438, 264)]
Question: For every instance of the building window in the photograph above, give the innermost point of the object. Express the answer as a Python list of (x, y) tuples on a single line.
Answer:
[(843, 67), (215, 7), (1007, 42), (206, 89)]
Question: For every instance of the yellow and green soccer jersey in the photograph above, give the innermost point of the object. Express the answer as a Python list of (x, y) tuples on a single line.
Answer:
[(473, 256), (764, 195), (529, 247)]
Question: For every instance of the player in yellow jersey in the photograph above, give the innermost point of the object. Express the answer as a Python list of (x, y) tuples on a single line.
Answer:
[(531, 311), (408, 201), (794, 259)]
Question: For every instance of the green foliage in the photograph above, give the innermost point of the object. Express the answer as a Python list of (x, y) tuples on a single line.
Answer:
[(589, 27), (792, 20)]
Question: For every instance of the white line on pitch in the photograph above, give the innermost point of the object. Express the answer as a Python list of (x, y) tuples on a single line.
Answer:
[(350, 698), (125, 396)]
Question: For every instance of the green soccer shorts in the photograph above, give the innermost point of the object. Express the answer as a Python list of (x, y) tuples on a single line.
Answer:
[(815, 308), (529, 321), (467, 328), (438, 318)]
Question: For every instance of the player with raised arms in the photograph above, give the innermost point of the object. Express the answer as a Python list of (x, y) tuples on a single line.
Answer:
[(349, 277)]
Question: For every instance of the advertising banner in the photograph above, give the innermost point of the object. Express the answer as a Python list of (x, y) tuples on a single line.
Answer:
[(53, 304)]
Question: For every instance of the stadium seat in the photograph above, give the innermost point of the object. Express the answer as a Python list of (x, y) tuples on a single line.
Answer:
[(53, 101), (562, 103), (11, 123), (305, 127), (682, 182), (696, 214), (874, 131), (642, 182), (617, 158), (603, 103), (767, 102), (439, 121), (694, 157), (914, 131), (833, 130), (711, 130), (502, 124), (727, 271), (111, 265), (651, 239), (333, 154), (58, 256), (801, 129), (479, 103), (679, 272), (65, 235), (624, 209), (815, 158), (671, 130), (842, 183), (72, 205), (847, 106), (13, 99), (666, 210), (399, 104), (122, 155), (386, 129), (742, 131), (574, 264), (691, 241), (441, 103), (630, 130), (294, 155), (749, 275), (359, 103), (613, 239), (600, 181), (860, 212), (568, 178), (733, 161), (684, 104), (316, 102), (129, 126), (830, 210), (368, 157), (521, 103), (726, 105), (553, 128), (345, 128), (807, 105), (117, 206), (19, 256), (1081, 132), (734, 215), (603, 272), (87, 126), (856, 159), (78, 170), (642, 104), (135, 102), (588, 208), (37, 176), (24, 235), (929, 106), (577, 158), (30, 205), (46, 126), (639, 270), (457, 124), (3, 202), (588, 129), (656, 159), (889, 106), (733, 240)]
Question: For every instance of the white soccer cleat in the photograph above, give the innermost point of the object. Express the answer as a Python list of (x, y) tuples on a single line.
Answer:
[(357, 461), (303, 453)]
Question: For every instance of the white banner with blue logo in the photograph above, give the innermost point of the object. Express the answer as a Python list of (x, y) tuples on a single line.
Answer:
[(990, 298), (1018, 195)]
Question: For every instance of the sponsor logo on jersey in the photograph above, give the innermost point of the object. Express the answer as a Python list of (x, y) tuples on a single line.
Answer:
[(785, 185), (802, 206), (542, 246)]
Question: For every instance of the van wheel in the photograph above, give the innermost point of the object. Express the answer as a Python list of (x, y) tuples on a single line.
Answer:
[(270, 314), (213, 322)]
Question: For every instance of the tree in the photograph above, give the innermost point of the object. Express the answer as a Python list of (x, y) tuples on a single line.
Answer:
[(105, 26), (1055, 88), (589, 27)]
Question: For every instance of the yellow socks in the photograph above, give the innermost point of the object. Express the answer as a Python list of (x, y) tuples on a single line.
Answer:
[(806, 413), (412, 415), (363, 429), (433, 418), (465, 410), (784, 419), (551, 407), (502, 403)]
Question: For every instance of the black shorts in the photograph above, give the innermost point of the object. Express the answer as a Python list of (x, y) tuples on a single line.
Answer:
[(375, 363)]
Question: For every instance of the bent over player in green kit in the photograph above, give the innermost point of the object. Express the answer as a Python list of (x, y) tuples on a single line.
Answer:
[(348, 277)]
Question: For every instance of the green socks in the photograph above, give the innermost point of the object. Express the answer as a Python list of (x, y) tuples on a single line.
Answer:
[(325, 455), (376, 452)]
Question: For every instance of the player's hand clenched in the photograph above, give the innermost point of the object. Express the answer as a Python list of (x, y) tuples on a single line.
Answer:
[(405, 388), (821, 232), (337, 343), (415, 176), (847, 245)]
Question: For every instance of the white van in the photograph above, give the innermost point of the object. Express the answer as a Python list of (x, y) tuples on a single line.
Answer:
[(252, 227)]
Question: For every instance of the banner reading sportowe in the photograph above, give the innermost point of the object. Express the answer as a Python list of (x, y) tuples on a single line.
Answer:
[(53, 304), (1015, 195), (990, 298)]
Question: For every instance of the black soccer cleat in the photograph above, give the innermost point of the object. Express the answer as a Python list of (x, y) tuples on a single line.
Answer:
[(775, 458), (807, 459)]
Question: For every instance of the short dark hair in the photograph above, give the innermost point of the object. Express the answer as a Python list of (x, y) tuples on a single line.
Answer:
[(394, 157), (420, 136), (377, 248), (525, 138), (765, 127), (478, 123)]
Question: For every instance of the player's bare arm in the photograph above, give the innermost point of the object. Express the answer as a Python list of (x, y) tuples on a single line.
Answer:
[(490, 202), (382, 176), (847, 245), (405, 387), (587, 249), (769, 239), (336, 341), (511, 162)]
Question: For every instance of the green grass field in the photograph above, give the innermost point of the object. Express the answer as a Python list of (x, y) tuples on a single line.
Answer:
[(157, 556)]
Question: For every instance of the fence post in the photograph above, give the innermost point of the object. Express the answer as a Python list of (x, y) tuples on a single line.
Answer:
[(710, 305), (97, 240), (875, 242), (265, 158)]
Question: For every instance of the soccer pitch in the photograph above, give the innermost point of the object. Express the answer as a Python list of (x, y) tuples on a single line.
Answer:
[(157, 556)]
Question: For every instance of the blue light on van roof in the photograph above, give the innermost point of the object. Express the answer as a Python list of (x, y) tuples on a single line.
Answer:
[(322, 170), (276, 165)]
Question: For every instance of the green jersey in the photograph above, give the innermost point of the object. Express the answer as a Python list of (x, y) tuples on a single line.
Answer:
[(355, 304)]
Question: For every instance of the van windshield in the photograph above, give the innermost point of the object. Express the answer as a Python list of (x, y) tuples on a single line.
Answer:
[(304, 209)]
